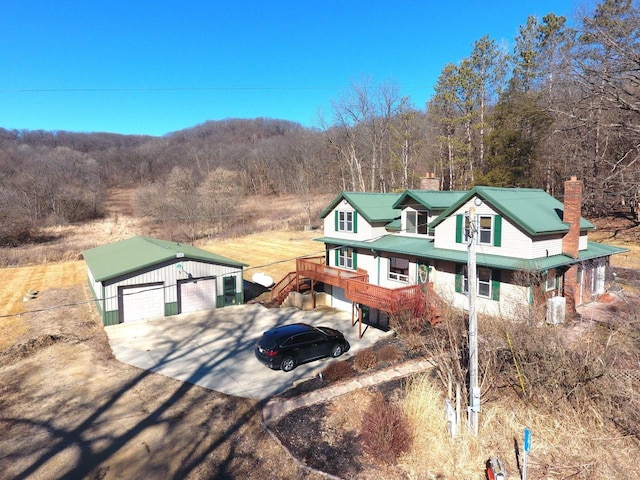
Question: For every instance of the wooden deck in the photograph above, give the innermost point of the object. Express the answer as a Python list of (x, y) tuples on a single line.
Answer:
[(315, 269), (355, 283), (358, 290)]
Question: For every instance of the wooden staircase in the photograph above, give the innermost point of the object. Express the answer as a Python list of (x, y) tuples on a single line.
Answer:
[(292, 282)]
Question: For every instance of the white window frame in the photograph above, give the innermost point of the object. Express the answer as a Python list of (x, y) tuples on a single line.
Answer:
[(488, 230), (480, 282), (484, 281), (345, 221), (550, 281), (345, 257), (419, 225), (398, 264)]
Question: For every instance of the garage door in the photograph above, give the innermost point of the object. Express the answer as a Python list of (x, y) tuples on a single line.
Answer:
[(139, 302), (197, 295)]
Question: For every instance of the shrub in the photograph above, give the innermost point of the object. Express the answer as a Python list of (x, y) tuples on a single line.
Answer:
[(385, 430), (365, 360), (336, 371), (389, 353)]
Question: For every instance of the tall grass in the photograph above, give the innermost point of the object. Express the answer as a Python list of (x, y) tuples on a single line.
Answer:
[(565, 443), (434, 454)]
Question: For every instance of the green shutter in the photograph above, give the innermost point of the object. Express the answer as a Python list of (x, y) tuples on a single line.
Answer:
[(355, 260), (355, 222), (459, 224), (336, 220), (337, 257), (497, 231), (495, 285), (459, 278)]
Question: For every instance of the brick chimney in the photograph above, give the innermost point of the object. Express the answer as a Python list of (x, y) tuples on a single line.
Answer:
[(571, 216), (571, 240), (430, 182)]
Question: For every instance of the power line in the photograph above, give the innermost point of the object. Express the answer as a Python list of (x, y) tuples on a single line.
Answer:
[(168, 89)]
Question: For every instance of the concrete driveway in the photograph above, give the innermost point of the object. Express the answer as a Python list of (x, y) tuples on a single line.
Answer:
[(214, 349)]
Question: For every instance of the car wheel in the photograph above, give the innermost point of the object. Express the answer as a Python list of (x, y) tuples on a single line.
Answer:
[(288, 364), (337, 350)]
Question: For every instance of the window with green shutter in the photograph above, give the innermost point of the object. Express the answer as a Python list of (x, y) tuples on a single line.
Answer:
[(459, 276), (497, 233), (495, 285), (459, 224), (346, 221), (346, 258)]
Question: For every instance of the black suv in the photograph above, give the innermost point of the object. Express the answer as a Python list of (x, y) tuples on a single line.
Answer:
[(288, 346)]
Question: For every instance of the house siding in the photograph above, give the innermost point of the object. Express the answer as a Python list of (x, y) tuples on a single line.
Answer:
[(546, 247), (365, 230), (513, 303), (514, 242)]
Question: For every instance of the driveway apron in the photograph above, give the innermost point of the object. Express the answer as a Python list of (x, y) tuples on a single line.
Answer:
[(214, 349)]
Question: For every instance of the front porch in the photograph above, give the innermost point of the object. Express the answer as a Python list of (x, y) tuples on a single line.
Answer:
[(358, 290)]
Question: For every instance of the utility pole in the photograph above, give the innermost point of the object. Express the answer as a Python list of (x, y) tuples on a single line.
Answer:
[(474, 389)]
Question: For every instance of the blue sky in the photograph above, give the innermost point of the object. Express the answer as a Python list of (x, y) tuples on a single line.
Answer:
[(153, 67)]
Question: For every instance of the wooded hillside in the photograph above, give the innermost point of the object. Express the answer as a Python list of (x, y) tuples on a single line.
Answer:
[(565, 101)]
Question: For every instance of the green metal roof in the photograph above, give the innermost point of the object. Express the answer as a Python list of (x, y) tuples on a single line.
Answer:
[(374, 207), (431, 199), (424, 248), (533, 210), (136, 253)]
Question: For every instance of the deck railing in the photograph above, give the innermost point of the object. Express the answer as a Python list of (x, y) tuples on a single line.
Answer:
[(315, 269), (355, 284), (382, 298)]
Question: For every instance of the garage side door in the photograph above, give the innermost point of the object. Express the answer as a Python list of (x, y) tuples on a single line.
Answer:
[(197, 295), (140, 302)]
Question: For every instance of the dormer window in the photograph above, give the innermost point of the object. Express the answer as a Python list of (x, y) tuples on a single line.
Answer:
[(417, 222), (345, 221)]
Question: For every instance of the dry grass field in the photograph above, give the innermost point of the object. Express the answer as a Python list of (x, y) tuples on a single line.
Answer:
[(273, 253)]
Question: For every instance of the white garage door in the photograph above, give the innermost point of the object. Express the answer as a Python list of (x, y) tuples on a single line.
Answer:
[(198, 295), (339, 301), (142, 302)]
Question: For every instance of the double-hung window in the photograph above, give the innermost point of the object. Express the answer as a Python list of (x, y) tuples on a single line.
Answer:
[(345, 221), (483, 282), (488, 229), (399, 269), (417, 222), (485, 229), (345, 257)]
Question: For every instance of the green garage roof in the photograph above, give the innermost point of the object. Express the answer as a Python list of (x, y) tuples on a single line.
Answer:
[(136, 253)]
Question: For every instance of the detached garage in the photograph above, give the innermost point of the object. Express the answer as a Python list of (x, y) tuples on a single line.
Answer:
[(144, 277)]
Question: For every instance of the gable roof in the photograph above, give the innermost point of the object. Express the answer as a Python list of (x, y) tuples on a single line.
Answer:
[(533, 210), (136, 253), (374, 207), (431, 199)]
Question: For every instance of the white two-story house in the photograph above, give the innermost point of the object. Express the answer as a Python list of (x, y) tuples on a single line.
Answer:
[(529, 247)]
